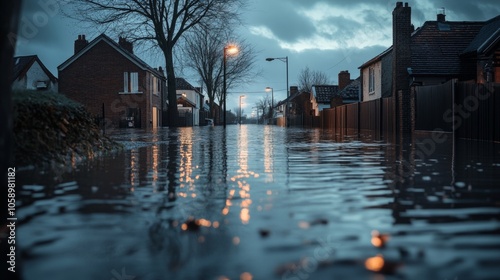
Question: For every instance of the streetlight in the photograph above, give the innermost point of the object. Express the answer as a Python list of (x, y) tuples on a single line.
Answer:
[(272, 101), (285, 60), (241, 96), (231, 50)]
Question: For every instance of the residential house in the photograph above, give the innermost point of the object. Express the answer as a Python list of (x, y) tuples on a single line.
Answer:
[(113, 83), (189, 101), (482, 55), (438, 51), (350, 93), (302, 103), (324, 94), (376, 76), (31, 74)]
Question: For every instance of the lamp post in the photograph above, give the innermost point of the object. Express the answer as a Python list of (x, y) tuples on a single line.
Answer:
[(228, 49), (285, 60), (241, 96), (272, 100)]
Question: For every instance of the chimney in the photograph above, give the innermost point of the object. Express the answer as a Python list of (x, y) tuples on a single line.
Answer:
[(441, 14), (294, 90), (80, 43), (126, 45), (344, 79), (402, 30), (401, 61)]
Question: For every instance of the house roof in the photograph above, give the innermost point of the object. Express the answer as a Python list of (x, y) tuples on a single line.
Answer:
[(324, 93), (185, 102), (436, 46), (182, 84), (104, 38), (377, 58), (23, 63), (488, 36), (351, 91)]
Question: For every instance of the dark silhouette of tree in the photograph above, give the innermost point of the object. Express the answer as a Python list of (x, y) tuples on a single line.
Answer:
[(203, 52), (161, 22), (264, 105), (308, 78)]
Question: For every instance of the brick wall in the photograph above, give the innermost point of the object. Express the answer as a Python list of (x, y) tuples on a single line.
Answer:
[(96, 78)]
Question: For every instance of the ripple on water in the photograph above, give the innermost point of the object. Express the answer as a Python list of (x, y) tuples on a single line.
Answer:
[(263, 202)]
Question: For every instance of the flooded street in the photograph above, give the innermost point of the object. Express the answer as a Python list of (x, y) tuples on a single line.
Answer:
[(264, 202)]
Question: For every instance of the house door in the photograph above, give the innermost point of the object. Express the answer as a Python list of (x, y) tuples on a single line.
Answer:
[(134, 117), (156, 116)]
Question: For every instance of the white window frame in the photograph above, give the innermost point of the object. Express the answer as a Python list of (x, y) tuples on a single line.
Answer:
[(130, 83), (155, 85), (371, 80)]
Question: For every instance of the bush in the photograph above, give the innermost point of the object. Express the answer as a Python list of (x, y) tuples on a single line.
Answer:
[(49, 127)]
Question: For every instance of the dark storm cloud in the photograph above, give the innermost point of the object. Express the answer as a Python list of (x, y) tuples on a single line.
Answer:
[(284, 21), (40, 19), (470, 10), (344, 3), (44, 31)]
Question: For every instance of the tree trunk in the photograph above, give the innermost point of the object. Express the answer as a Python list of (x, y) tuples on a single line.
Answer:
[(173, 113)]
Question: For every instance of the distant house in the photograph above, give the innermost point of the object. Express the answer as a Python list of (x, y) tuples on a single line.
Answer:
[(350, 93), (31, 74), (113, 83), (189, 100), (302, 103), (324, 94), (437, 52)]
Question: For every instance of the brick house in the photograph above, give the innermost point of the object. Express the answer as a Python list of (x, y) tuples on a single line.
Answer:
[(31, 74), (436, 52), (113, 83)]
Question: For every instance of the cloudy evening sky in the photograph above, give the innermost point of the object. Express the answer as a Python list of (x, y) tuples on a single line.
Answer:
[(325, 35)]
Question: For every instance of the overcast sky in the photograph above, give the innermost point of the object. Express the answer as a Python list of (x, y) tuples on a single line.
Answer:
[(325, 35)]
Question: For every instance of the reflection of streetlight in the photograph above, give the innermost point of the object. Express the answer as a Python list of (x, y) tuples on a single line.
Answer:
[(285, 60), (241, 96), (272, 100), (231, 50)]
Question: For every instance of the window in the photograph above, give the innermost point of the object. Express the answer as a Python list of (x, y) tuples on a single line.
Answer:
[(371, 81), (155, 85), (131, 82)]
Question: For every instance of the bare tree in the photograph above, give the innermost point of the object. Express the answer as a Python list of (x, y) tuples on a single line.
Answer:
[(308, 78), (264, 105), (204, 53), (161, 22)]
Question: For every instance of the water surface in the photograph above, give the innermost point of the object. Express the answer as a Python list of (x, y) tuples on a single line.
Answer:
[(264, 202)]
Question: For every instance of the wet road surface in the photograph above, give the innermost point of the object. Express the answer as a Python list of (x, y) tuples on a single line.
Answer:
[(264, 202)]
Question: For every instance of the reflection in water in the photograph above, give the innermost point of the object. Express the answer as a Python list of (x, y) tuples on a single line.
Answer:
[(268, 153), (375, 263), (190, 203)]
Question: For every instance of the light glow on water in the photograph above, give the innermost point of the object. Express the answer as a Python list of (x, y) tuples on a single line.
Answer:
[(263, 202)]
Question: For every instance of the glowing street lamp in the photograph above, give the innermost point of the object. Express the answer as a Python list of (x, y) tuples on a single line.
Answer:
[(228, 50), (285, 60)]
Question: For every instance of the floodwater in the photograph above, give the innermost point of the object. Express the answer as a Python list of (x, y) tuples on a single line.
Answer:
[(264, 202)]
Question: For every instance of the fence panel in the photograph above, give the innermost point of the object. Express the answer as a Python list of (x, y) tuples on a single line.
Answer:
[(328, 116), (370, 115), (387, 117), (432, 103), (476, 114)]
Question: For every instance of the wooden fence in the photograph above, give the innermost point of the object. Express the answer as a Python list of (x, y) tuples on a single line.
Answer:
[(469, 110)]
